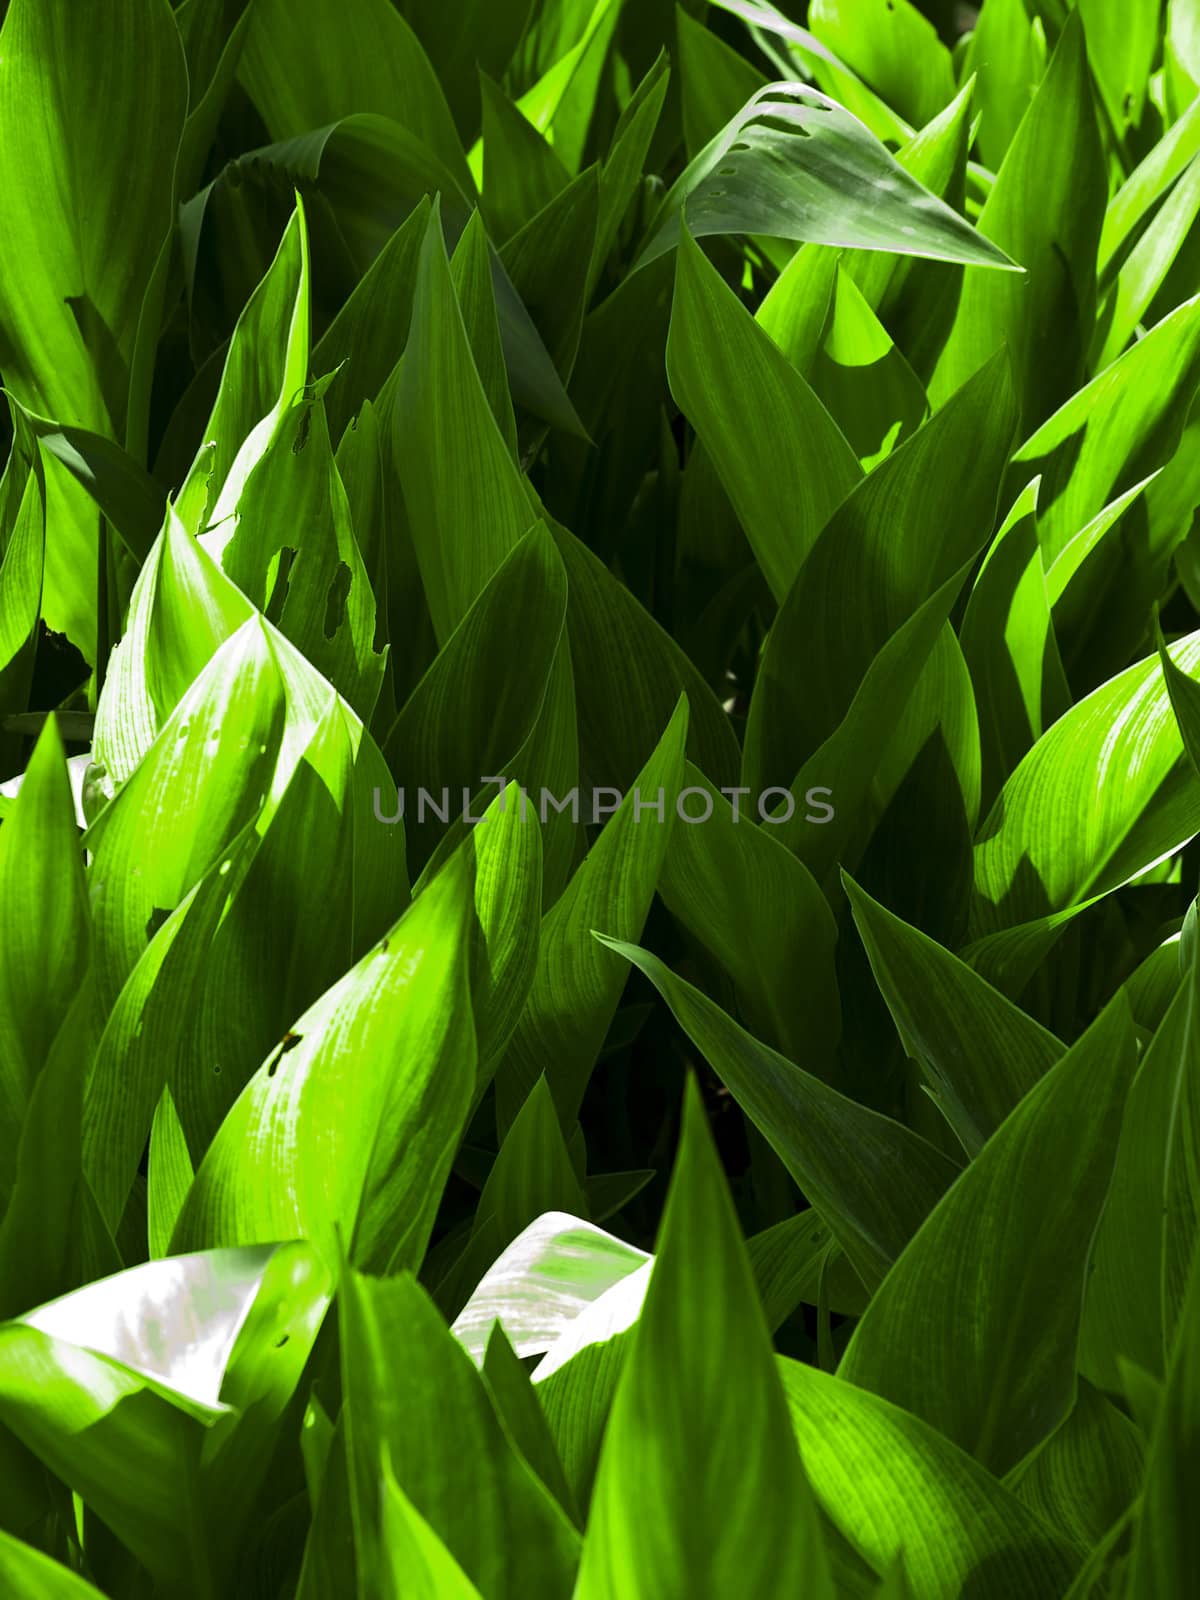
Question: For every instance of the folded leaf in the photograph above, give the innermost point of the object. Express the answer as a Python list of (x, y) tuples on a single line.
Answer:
[(369, 60), (794, 165), (542, 1282)]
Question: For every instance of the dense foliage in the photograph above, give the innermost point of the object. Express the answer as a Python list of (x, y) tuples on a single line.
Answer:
[(600, 725)]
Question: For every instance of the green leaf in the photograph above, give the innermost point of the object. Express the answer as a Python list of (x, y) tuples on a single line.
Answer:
[(34, 1576), (22, 558), (746, 1523), (917, 300), (1009, 644), (1147, 1234), (521, 173), (273, 1345), (519, 1408), (466, 501), (129, 1453), (835, 1148), (1153, 984), (46, 949), (367, 337), (715, 81), (144, 1033), (894, 1585), (902, 533), (798, 309), (117, 1387), (577, 1379), (863, 380), (747, 402), (578, 984), (415, 1563), (1048, 218), (978, 1053), (507, 848), (1087, 1475), (794, 165), (292, 525), (325, 882), (182, 610), (432, 1414), (1008, 55), (475, 34), (175, 1321), (759, 912), (1148, 263), (213, 36), (1181, 68), (900, 1491), (1165, 1549), (892, 47), (1111, 434), (1147, 184), (1122, 46), (372, 172), (797, 1261), (621, 642), (1095, 560), (369, 60), (532, 1175), (1184, 693), (265, 368), (561, 103), (976, 1327), (471, 271), (807, 57), (549, 265), (914, 687), (74, 272), (169, 1175), (610, 1192), (1103, 794), (621, 172), (271, 1170), (49, 1214), (330, 1562), (133, 502), (194, 790)]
